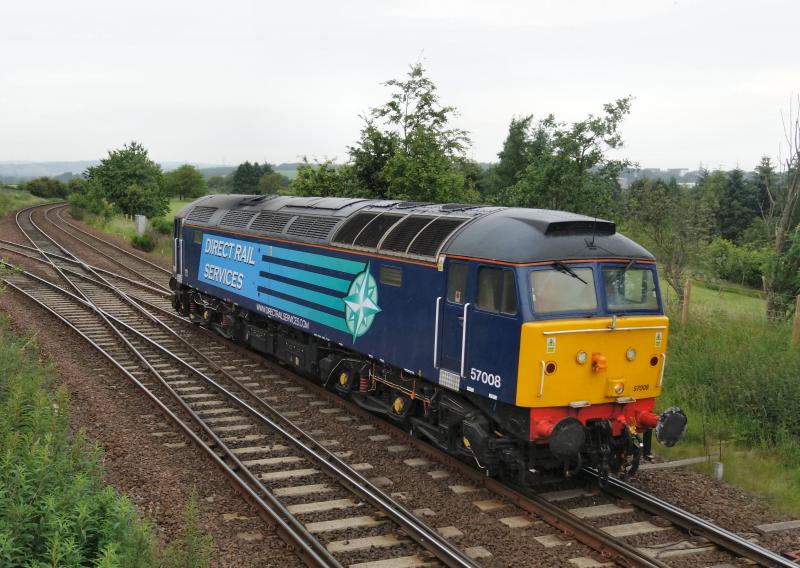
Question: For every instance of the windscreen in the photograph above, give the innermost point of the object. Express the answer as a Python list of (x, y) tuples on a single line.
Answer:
[(569, 290), (630, 289)]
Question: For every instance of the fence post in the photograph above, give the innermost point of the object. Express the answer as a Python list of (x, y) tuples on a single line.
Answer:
[(687, 295), (796, 323)]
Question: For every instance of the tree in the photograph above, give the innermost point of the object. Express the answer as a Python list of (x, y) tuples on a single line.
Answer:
[(764, 179), (326, 178), (130, 180), (675, 220), (219, 184), (778, 215), (272, 183), (185, 182), (46, 187), (76, 184), (246, 177), (514, 157), (738, 207), (408, 149), (568, 167)]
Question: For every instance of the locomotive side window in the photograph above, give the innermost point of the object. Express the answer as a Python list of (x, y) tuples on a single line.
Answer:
[(198, 237), (630, 289), (563, 291), (457, 282), (391, 275), (497, 291)]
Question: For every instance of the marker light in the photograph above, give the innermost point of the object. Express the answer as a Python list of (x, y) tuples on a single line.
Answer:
[(619, 388), (630, 354), (582, 357)]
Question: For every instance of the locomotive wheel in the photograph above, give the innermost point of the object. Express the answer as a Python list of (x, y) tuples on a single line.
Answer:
[(344, 382)]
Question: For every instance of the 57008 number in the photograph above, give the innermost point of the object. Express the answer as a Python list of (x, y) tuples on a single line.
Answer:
[(486, 378)]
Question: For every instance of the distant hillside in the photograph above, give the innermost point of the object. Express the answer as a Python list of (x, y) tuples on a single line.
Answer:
[(17, 172), (217, 171), (289, 170)]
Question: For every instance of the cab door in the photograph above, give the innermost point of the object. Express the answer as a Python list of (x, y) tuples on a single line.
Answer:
[(177, 250), (493, 334), (453, 315)]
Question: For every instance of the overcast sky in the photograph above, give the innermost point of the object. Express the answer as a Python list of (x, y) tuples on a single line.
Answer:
[(224, 82)]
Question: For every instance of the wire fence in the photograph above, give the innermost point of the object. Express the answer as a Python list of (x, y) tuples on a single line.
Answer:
[(704, 298)]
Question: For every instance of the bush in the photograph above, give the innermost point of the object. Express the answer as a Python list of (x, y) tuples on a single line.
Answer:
[(46, 187), (161, 225), (146, 242), (54, 508), (739, 378), (92, 202), (741, 264)]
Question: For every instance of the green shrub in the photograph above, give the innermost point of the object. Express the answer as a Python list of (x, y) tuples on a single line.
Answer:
[(193, 549), (161, 225), (146, 242), (741, 264), (77, 213), (738, 377), (92, 202), (54, 508)]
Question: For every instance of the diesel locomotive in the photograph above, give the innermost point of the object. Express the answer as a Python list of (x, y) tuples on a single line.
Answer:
[(524, 340)]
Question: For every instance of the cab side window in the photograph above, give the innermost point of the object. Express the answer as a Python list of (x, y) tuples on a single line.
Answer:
[(457, 282), (497, 290)]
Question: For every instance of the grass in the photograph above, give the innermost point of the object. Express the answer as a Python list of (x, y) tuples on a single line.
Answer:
[(17, 199), (759, 471), (123, 226), (735, 374), (706, 301)]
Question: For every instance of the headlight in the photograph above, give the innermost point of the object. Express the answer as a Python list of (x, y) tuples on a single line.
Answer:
[(619, 388), (582, 357), (630, 354)]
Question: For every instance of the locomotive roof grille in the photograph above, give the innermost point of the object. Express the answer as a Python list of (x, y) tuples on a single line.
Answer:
[(270, 222), (403, 233), (373, 232), (352, 227), (236, 218), (430, 239), (201, 214), (312, 227)]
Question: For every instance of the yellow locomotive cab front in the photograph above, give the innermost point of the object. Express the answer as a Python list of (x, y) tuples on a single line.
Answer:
[(589, 361)]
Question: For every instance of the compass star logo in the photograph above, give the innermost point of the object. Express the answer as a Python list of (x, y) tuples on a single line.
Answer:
[(361, 303)]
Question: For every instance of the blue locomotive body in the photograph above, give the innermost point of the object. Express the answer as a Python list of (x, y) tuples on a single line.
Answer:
[(384, 308), (470, 325)]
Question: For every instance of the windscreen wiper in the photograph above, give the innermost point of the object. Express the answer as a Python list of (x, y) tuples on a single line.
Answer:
[(564, 268)]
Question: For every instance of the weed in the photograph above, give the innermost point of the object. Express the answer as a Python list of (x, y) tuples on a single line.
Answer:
[(145, 242), (54, 508), (193, 549)]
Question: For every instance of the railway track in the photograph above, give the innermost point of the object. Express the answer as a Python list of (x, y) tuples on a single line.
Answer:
[(232, 419), (133, 264), (254, 387)]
